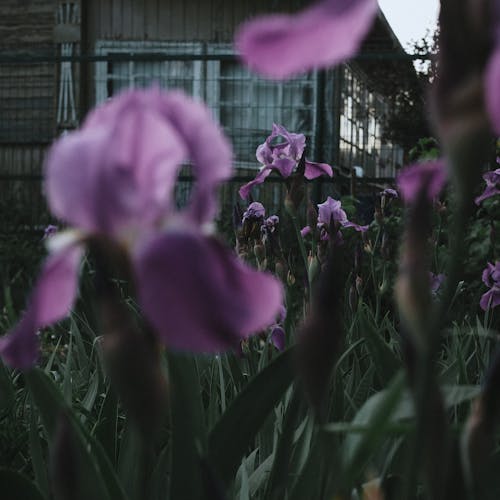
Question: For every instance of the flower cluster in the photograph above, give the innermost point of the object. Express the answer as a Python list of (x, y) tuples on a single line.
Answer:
[(113, 182), (282, 152)]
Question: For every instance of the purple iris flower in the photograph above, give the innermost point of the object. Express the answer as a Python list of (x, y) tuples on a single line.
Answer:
[(491, 278), (114, 179), (331, 211), (327, 33), (492, 180), (428, 177), (255, 210), (282, 151)]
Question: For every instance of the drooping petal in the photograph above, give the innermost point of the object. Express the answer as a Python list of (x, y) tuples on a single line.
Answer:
[(244, 190), (492, 90), (51, 300), (492, 180), (314, 170), (429, 178), (119, 169), (328, 33), (201, 298), (357, 227), (490, 299)]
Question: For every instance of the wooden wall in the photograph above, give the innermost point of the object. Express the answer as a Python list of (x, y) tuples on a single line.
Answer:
[(193, 20), (27, 91)]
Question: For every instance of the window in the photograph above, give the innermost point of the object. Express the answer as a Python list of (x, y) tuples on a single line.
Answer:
[(117, 74), (245, 105), (361, 127)]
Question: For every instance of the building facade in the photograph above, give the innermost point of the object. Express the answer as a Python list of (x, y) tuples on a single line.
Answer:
[(59, 58)]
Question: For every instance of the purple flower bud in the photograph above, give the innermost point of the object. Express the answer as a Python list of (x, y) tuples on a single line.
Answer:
[(389, 193), (278, 338), (254, 211)]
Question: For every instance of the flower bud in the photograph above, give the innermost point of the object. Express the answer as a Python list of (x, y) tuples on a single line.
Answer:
[(280, 270), (290, 279), (259, 251)]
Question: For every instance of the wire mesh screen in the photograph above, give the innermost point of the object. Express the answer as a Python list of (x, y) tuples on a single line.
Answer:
[(45, 93)]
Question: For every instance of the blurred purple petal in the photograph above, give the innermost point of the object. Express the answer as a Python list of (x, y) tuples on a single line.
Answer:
[(325, 34), (51, 300), (119, 169), (492, 90), (199, 297), (428, 177), (314, 170), (278, 338)]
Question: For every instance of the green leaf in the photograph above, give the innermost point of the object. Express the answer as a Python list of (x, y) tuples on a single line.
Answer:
[(188, 429), (93, 476), (384, 359), (6, 390), (37, 459), (232, 435), (376, 413), (14, 486)]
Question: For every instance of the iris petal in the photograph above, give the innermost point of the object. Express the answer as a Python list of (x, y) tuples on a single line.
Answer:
[(326, 34), (51, 300), (201, 298)]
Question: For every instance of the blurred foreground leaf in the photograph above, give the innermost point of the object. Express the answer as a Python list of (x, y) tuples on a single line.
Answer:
[(84, 468)]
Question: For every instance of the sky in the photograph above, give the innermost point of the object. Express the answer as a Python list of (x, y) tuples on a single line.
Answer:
[(410, 19)]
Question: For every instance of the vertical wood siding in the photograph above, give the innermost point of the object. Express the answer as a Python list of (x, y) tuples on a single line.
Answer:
[(193, 20)]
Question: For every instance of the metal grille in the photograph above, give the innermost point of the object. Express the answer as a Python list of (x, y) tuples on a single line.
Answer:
[(45, 92)]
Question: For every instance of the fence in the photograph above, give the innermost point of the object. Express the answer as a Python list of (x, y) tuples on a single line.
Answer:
[(47, 91)]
